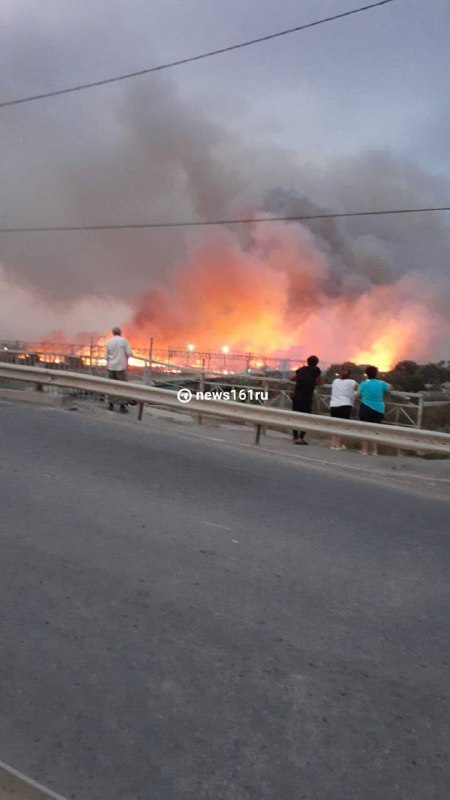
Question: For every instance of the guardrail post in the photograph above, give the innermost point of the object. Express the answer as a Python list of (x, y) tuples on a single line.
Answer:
[(265, 388), (140, 411), (397, 462), (201, 388), (257, 433)]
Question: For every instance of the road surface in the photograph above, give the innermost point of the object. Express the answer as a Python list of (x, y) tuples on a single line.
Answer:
[(186, 620)]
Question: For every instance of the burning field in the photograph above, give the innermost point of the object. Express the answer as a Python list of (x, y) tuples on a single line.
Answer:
[(288, 290)]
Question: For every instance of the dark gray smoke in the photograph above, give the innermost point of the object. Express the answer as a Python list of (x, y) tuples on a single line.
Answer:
[(354, 266)]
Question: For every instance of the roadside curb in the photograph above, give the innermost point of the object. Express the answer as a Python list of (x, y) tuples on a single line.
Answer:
[(35, 398), (15, 785), (362, 469)]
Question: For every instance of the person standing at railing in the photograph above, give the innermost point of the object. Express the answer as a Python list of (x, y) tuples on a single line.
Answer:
[(371, 393), (343, 397), (306, 379), (118, 352)]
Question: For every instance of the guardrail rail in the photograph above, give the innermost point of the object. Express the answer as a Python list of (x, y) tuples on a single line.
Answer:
[(411, 439)]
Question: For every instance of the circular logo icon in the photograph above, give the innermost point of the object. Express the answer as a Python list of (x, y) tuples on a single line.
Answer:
[(184, 395)]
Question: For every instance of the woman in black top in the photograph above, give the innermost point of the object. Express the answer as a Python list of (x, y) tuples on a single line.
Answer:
[(306, 380)]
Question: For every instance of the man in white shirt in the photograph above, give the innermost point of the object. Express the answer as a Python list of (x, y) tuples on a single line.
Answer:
[(118, 352)]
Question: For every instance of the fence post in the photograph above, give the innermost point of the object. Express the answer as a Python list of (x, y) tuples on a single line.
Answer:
[(91, 353), (317, 400), (148, 371), (420, 418), (420, 412), (397, 419)]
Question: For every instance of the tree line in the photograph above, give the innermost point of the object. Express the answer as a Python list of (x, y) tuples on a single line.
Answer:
[(407, 376)]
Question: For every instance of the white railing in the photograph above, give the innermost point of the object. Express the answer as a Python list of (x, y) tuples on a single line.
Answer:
[(258, 416)]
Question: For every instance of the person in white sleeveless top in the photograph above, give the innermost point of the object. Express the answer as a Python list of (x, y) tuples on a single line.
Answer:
[(343, 395)]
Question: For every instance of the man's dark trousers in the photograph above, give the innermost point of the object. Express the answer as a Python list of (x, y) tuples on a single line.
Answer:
[(117, 375)]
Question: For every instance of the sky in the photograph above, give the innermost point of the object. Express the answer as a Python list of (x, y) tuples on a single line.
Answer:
[(352, 115)]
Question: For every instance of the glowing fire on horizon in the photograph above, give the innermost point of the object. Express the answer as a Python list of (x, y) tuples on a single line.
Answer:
[(274, 300), (280, 293)]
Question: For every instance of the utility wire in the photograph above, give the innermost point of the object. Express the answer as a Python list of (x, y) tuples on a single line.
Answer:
[(206, 223), (199, 57)]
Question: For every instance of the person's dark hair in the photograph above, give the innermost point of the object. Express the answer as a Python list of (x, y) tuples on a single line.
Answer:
[(116, 330), (344, 372), (372, 372), (312, 361)]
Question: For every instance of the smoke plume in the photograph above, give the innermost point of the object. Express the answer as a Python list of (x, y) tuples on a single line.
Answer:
[(370, 288)]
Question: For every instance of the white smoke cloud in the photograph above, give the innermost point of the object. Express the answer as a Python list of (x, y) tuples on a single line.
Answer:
[(26, 315)]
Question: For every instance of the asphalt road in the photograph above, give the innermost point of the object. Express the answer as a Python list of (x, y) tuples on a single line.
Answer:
[(186, 619)]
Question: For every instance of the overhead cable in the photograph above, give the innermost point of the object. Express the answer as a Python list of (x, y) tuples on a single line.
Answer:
[(180, 62), (218, 222)]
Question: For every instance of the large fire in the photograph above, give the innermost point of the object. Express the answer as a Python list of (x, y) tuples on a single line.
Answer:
[(275, 291), (273, 298)]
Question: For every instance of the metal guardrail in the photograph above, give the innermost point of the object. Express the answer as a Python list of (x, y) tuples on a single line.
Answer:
[(402, 408), (258, 416)]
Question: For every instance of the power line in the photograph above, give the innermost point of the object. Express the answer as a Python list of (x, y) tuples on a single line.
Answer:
[(199, 57), (206, 223)]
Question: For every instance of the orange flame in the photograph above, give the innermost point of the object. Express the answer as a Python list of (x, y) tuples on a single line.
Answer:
[(274, 303), (271, 296)]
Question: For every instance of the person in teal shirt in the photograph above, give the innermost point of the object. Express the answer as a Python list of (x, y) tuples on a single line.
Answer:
[(371, 393)]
